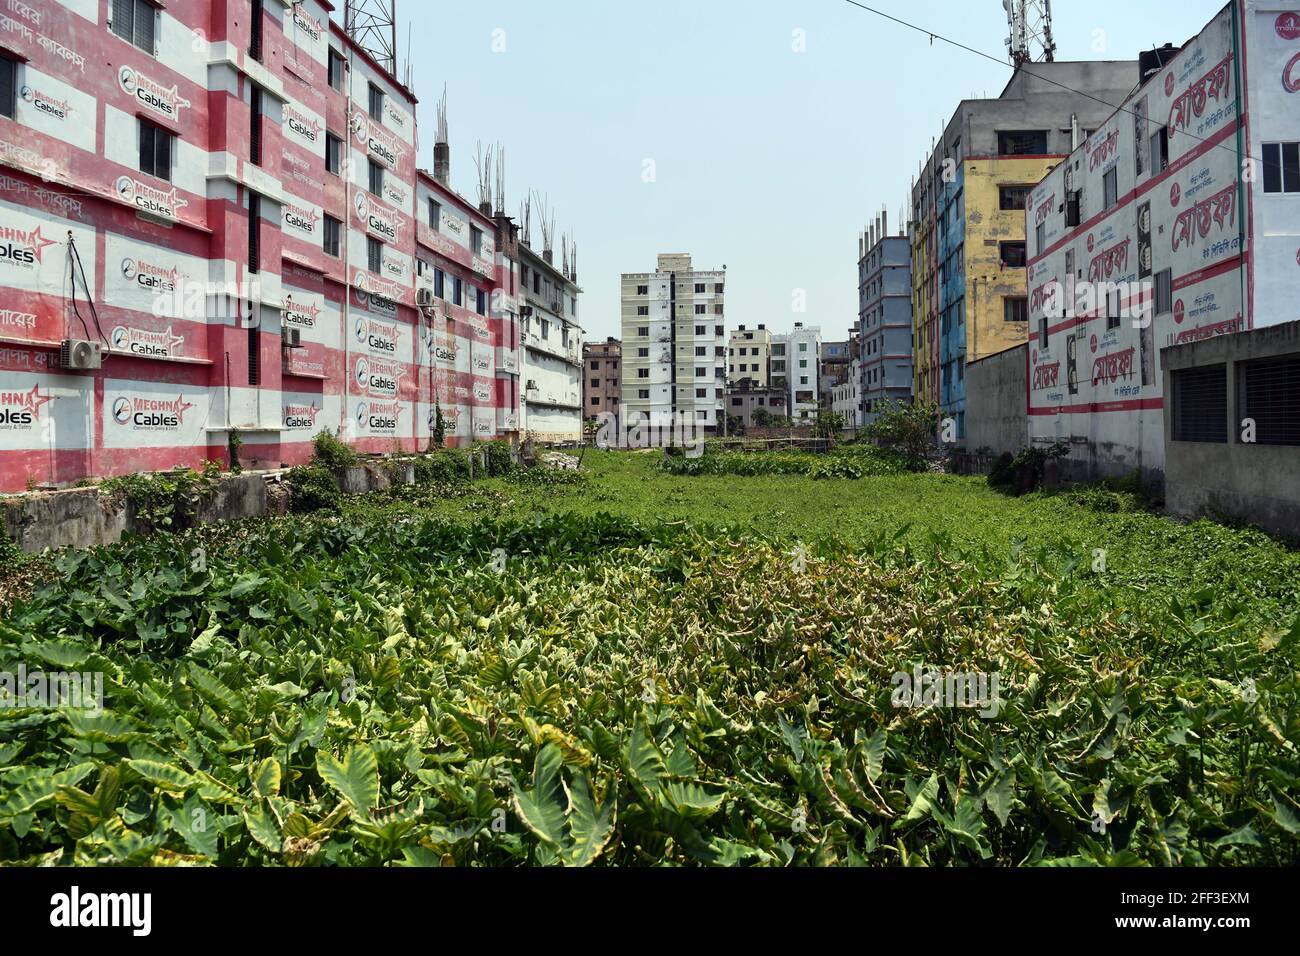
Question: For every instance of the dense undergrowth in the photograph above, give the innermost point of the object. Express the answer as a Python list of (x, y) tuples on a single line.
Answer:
[(389, 687)]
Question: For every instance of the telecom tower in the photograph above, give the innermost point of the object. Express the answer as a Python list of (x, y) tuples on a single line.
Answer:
[(1031, 39), (372, 24)]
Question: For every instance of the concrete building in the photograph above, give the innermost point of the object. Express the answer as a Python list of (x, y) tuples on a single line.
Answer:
[(552, 409), (968, 200), (674, 344), (835, 359), (1232, 428), (602, 377), (1149, 235), (800, 352), (745, 397), (251, 245), (884, 318), (749, 355), (846, 395)]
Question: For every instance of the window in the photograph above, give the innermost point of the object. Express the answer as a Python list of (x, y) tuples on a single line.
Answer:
[(254, 232), (1040, 237), (699, 287), (701, 372), (596, 400), (643, 393), (803, 363), (333, 153), (1282, 167), (1042, 332), (435, 215), (701, 350), (1073, 207), (1015, 309), (155, 150), (701, 393), (1022, 143), (701, 310), (1270, 394), (440, 284), (458, 297), (475, 239), (1110, 188), (480, 301), (700, 329), (133, 21), (254, 359), (1164, 292), (643, 373), (8, 84), (374, 254), (1012, 198), (1012, 255), (255, 124), (376, 103), (255, 36), (376, 183), (1113, 309), (643, 353), (643, 310), (803, 346), (717, 288), (643, 331), (1159, 150), (1201, 404), (643, 290), (333, 228), (335, 69)]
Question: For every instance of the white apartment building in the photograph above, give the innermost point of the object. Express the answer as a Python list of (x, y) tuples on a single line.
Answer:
[(800, 353), (674, 343), (551, 409)]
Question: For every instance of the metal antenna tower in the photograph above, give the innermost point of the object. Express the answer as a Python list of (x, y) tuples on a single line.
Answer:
[(1030, 24), (372, 25)]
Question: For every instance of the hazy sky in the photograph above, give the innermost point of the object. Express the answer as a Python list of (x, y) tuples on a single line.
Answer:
[(765, 159)]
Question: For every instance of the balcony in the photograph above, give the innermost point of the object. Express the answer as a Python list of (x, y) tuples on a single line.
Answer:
[(571, 353)]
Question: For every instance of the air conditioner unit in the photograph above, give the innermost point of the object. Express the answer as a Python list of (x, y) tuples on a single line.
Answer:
[(424, 297), (80, 354), (290, 338), (525, 311)]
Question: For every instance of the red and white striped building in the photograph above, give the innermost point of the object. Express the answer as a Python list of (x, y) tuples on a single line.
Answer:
[(225, 197), (1190, 192)]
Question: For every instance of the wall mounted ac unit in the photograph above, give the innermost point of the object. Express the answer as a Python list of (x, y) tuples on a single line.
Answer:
[(424, 297), (291, 338), (80, 354)]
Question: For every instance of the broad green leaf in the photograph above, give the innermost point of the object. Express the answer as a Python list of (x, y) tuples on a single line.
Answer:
[(355, 779)]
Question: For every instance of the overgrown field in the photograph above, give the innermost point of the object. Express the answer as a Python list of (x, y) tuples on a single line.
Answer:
[(531, 673)]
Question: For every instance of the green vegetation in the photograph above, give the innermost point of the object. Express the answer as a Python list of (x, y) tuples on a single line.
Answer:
[(164, 500), (845, 461), (910, 428), (532, 671)]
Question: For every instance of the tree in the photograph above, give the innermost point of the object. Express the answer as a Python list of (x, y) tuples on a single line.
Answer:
[(828, 425), (909, 428), (762, 417)]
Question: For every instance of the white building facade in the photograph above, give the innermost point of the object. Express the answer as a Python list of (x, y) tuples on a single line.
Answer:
[(551, 410), (802, 356)]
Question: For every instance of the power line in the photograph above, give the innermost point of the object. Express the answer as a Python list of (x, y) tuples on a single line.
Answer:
[(970, 49)]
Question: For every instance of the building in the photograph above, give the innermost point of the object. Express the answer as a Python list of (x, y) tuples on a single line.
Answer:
[(1232, 428), (846, 395), (247, 230), (796, 358), (674, 344), (746, 397), (601, 377), (968, 241), (1149, 236), (835, 359), (552, 409), (750, 355), (884, 318)]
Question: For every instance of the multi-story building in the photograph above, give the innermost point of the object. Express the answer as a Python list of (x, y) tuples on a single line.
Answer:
[(1177, 220), (968, 241), (749, 355), (745, 397), (674, 344), (884, 318), (224, 236), (835, 359), (601, 382), (800, 351), (552, 409), (846, 395)]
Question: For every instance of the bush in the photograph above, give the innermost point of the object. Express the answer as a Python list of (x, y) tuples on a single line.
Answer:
[(331, 453), (499, 462), (1025, 472), (444, 467), (909, 428), (313, 488), (165, 500)]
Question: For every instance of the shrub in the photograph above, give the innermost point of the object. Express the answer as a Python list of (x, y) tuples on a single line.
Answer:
[(331, 453), (442, 467), (164, 501), (313, 488), (909, 428), (1025, 472), (497, 454)]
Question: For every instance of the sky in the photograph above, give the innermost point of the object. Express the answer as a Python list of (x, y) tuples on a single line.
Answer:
[(757, 134)]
